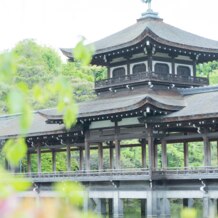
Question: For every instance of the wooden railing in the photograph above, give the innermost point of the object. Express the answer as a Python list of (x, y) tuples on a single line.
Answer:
[(206, 172), (151, 76), (91, 175), (122, 174)]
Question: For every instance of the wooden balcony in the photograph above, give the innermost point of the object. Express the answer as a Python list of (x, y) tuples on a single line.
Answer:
[(156, 78)]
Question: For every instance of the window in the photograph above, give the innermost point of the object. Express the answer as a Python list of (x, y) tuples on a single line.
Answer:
[(183, 71), (119, 72), (139, 68), (161, 68)]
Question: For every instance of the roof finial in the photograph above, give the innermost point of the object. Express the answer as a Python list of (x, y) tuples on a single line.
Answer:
[(149, 13), (148, 2)]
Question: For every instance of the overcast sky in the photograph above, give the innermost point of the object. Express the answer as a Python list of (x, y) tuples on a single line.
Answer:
[(59, 23)]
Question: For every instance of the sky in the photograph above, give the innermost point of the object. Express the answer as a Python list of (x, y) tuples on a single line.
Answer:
[(61, 23)]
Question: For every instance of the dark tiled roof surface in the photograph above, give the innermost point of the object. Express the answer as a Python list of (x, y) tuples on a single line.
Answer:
[(198, 104), (121, 102), (160, 29), (162, 32), (9, 125)]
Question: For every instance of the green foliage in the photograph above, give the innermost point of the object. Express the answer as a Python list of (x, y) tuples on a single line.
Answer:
[(75, 70), (10, 184), (71, 191), (83, 54), (214, 77), (15, 150), (30, 55), (188, 213), (195, 154), (7, 67), (100, 72), (209, 70), (175, 155), (131, 158)]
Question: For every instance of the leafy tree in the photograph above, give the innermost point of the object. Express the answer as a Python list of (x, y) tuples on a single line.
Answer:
[(209, 70)]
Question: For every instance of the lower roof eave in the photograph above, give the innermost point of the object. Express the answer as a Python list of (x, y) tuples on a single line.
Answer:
[(196, 117)]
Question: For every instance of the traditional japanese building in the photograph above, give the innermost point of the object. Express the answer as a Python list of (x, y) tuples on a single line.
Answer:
[(153, 95)]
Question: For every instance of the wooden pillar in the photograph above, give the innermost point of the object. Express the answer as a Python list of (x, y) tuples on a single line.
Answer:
[(173, 66), (150, 149), (206, 207), (117, 205), (80, 159), (156, 156), (110, 207), (207, 151), (186, 162), (143, 208), (108, 73), (7, 164), (209, 154), (128, 67), (111, 151), (164, 153), (38, 152), (117, 147), (117, 154), (150, 62), (68, 158), (164, 208), (194, 68), (29, 162), (87, 151), (217, 152), (152, 204), (54, 161), (100, 156), (143, 153)]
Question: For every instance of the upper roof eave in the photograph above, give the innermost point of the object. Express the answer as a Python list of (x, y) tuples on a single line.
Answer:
[(147, 33), (67, 52)]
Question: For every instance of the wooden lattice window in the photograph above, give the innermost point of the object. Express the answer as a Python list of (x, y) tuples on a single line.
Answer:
[(183, 71), (162, 68), (119, 72), (139, 68)]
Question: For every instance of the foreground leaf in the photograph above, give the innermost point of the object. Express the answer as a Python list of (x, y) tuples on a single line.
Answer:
[(15, 150)]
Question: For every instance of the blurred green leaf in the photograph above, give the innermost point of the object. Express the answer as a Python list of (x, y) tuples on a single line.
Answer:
[(83, 53), (15, 150), (38, 93), (15, 101), (188, 213), (22, 86), (70, 114), (72, 191), (26, 118), (10, 184), (21, 184)]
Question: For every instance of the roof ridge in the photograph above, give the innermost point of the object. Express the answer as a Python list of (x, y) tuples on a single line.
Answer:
[(198, 90)]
